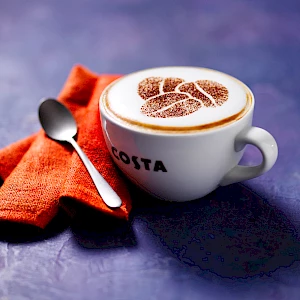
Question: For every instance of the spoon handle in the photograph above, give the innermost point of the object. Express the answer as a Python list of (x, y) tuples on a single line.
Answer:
[(108, 195)]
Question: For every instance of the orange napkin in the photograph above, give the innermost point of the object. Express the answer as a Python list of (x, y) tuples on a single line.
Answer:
[(39, 172)]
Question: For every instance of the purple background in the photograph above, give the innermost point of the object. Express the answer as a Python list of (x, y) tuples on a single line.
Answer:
[(240, 242)]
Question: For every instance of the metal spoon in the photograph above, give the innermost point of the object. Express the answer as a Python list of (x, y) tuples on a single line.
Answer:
[(60, 125)]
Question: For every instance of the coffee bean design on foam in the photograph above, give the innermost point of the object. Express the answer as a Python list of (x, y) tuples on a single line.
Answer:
[(173, 97)]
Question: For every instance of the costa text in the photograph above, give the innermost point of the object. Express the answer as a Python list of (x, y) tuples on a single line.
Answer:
[(139, 162)]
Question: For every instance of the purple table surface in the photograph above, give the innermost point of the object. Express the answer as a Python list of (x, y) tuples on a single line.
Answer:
[(241, 241)]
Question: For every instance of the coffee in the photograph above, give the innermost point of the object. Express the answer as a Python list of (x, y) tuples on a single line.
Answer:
[(180, 132), (176, 99)]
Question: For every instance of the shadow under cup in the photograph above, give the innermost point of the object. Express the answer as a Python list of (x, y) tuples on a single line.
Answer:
[(185, 163)]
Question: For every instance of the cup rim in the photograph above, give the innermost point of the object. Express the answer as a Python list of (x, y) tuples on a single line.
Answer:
[(148, 129)]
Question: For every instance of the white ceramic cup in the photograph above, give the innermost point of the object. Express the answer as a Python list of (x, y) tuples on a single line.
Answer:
[(186, 165)]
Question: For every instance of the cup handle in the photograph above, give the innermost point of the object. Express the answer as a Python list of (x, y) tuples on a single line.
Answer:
[(267, 145)]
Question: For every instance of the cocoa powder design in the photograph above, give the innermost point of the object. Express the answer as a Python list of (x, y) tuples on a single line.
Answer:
[(173, 97)]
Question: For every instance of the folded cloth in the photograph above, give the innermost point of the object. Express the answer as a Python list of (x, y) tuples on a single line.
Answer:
[(39, 172)]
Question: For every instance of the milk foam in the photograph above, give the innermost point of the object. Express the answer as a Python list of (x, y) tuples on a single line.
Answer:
[(123, 99)]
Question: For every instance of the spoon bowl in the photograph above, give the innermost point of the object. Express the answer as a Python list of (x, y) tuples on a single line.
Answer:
[(57, 120), (59, 124)]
